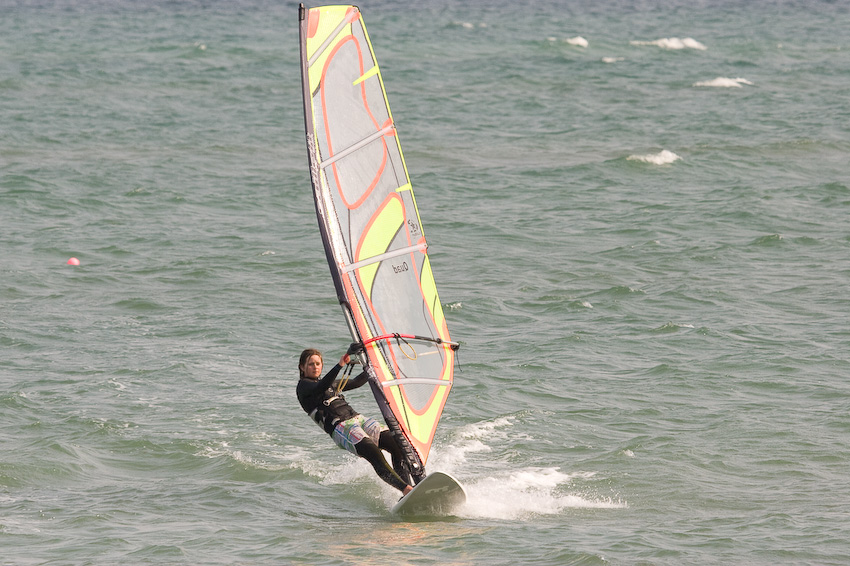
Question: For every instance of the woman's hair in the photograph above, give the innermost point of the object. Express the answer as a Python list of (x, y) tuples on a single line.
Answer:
[(305, 355)]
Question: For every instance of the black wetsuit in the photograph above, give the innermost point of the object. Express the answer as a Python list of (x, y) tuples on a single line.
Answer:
[(320, 400)]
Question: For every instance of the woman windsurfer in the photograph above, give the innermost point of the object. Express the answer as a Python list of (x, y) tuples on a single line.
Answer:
[(362, 436)]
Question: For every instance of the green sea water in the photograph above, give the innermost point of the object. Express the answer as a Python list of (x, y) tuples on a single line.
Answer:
[(638, 218)]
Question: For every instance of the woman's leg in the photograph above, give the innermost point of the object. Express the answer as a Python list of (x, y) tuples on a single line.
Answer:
[(387, 442), (369, 451)]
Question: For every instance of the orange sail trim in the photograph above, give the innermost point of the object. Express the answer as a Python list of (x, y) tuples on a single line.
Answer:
[(370, 227), (378, 174)]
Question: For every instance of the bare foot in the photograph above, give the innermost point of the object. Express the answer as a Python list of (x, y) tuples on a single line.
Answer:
[(407, 490)]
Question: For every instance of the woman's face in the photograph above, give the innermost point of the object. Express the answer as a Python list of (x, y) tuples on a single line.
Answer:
[(312, 368)]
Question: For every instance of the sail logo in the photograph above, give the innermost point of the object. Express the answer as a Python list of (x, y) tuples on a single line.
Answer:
[(414, 227), (401, 268)]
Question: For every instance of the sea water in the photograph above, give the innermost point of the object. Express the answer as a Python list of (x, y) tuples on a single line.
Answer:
[(638, 218)]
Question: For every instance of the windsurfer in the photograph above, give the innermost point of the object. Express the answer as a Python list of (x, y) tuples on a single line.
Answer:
[(362, 436)]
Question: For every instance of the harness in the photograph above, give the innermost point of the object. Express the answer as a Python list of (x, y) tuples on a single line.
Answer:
[(320, 413)]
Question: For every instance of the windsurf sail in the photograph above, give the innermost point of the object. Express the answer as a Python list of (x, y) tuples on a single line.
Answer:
[(370, 226)]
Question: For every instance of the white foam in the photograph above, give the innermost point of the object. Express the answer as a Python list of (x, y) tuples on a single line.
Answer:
[(528, 492), (612, 59), (452, 458), (674, 43), (723, 82), (665, 157), (485, 429), (350, 469), (578, 41), (508, 492)]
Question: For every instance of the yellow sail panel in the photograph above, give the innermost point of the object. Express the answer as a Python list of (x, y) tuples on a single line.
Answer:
[(376, 239), (370, 224), (370, 73), (327, 25)]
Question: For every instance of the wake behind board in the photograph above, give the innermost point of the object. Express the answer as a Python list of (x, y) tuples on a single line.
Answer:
[(437, 494)]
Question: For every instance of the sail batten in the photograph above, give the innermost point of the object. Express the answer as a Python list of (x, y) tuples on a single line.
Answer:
[(389, 255), (371, 228), (414, 381), (351, 149)]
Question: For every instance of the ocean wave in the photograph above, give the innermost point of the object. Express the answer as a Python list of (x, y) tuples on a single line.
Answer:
[(723, 82), (469, 25), (665, 157), (578, 41), (673, 43)]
